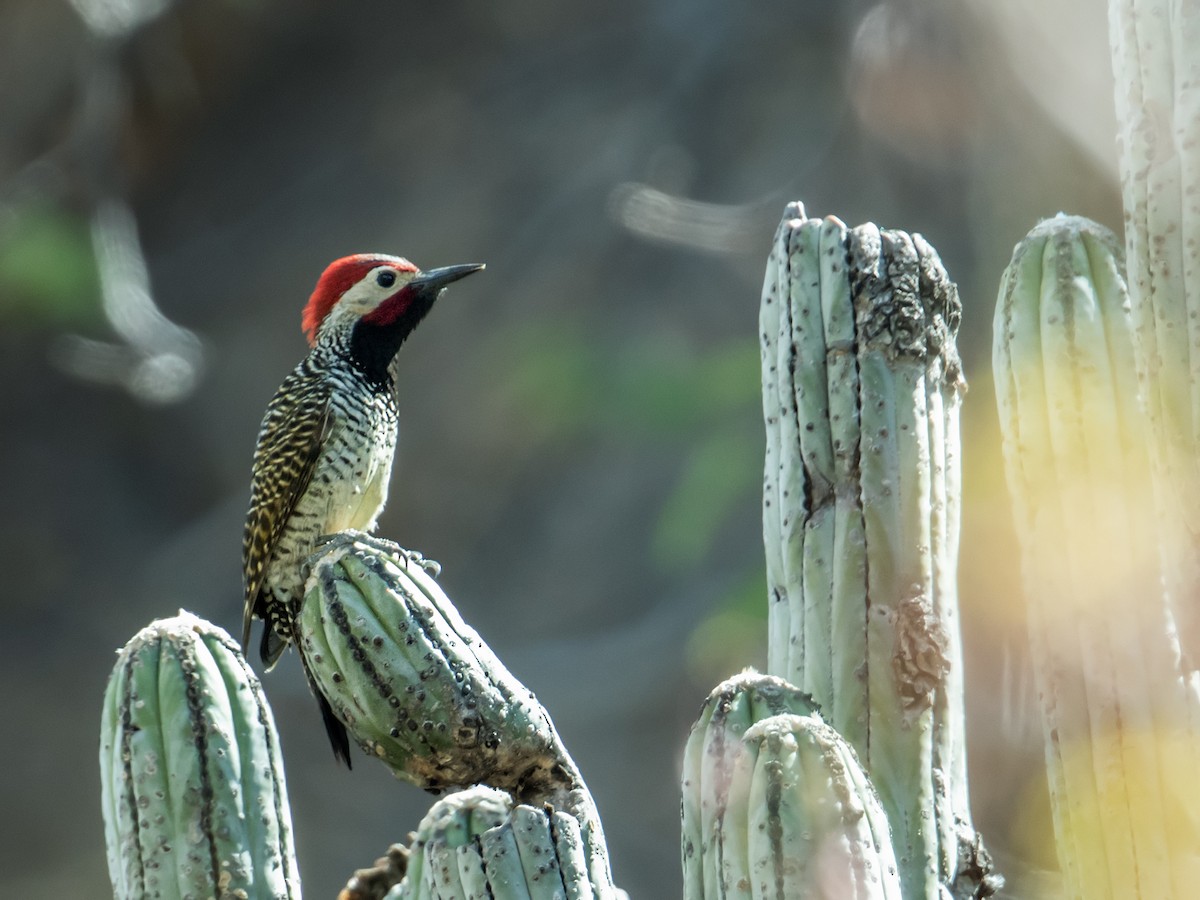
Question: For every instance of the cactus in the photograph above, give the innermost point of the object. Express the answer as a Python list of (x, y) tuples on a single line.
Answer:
[(478, 843), (1116, 710), (419, 689), (413, 682), (775, 803), (1156, 60), (861, 388), (192, 784), (209, 817)]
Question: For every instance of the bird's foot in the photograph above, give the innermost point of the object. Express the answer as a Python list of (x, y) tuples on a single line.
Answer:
[(355, 536), (352, 536)]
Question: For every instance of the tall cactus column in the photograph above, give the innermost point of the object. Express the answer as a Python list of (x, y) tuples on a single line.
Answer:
[(861, 388), (1120, 748), (1156, 61)]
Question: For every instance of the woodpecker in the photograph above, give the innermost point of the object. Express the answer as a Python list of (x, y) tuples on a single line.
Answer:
[(326, 443)]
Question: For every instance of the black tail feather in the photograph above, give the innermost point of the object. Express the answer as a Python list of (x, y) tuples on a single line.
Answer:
[(338, 738), (271, 647)]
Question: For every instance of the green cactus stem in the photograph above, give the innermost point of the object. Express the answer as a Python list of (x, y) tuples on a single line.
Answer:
[(1156, 60), (420, 690), (477, 843), (1120, 747), (192, 784), (775, 803), (861, 390), (416, 686)]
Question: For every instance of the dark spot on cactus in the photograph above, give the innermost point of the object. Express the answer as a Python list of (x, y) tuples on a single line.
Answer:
[(394, 732), (411, 725), (337, 677), (394, 702), (377, 641)]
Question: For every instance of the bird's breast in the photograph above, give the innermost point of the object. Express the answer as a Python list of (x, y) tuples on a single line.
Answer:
[(357, 463)]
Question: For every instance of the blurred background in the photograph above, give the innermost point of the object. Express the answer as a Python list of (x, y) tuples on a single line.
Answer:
[(581, 439)]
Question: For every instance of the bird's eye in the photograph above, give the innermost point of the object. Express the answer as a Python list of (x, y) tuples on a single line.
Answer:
[(386, 278)]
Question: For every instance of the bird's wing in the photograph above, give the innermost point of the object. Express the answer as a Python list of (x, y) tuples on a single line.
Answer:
[(289, 443)]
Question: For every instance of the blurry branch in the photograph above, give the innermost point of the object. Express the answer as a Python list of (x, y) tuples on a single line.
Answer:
[(118, 18), (157, 361), (712, 227), (154, 359)]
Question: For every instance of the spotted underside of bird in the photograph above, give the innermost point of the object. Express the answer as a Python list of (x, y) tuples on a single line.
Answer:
[(326, 444)]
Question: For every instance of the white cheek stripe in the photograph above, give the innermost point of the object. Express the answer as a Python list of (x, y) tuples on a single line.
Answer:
[(363, 296)]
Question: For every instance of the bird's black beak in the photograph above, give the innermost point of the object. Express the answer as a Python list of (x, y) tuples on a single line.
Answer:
[(435, 280)]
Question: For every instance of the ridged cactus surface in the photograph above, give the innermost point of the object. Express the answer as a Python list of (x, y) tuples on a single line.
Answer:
[(192, 785), (416, 686), (419, 689), (1156, 59), (478, 844), (775, 803), (1118, 714), (861, 391)]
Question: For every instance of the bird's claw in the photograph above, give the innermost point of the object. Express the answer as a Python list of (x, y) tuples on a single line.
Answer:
[(327, 542)]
